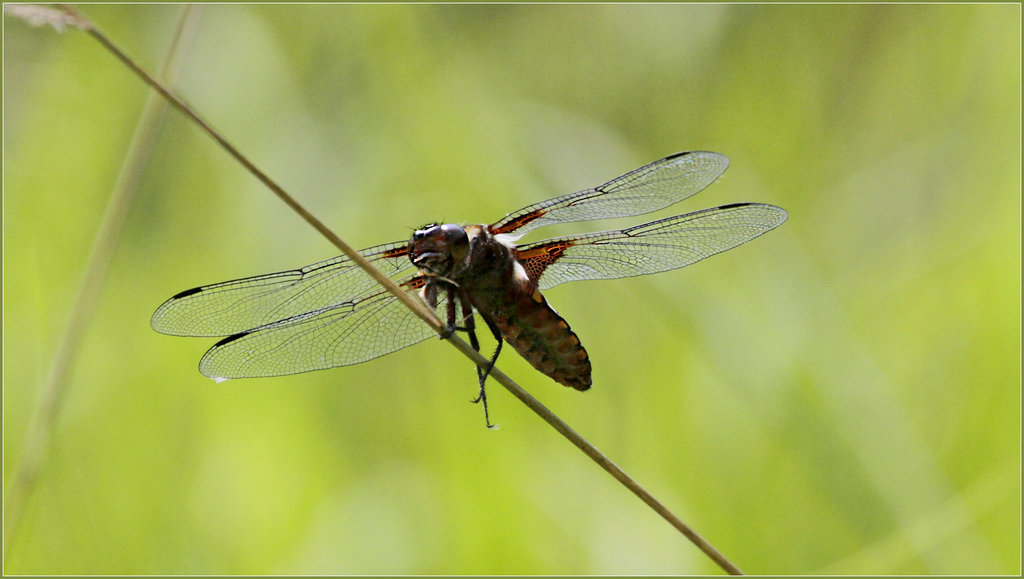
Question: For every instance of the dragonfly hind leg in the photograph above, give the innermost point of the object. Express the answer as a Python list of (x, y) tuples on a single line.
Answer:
[(469, 326), (484, 372)]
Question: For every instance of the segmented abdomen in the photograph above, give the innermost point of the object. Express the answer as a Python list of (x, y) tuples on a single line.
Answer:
[(543, 337)]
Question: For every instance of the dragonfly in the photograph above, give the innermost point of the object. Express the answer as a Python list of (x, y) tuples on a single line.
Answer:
[(331, 313)]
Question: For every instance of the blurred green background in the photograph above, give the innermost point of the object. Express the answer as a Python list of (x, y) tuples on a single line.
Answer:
[(839, 396)]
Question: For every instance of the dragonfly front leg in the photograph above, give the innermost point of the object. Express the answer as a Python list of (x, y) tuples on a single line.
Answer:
[(450, 320), (429, 295), (467, 316)]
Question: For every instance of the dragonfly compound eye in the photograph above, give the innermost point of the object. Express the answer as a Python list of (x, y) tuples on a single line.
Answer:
[(454, 234), (427, 231)]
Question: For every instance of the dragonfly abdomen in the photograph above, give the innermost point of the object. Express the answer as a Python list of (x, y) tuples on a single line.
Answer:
[(543, 338)]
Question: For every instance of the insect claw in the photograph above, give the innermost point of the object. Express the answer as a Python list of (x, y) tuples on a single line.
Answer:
[(482, 397)]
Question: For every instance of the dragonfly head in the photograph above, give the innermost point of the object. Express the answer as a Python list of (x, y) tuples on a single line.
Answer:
[(437, 248)]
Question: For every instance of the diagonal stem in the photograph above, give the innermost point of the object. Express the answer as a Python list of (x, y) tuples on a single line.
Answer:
[(416, 305)]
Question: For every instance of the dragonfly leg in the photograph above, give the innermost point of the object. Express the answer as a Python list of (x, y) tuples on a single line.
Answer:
[(469, 326), (484, 372), (452, 326)]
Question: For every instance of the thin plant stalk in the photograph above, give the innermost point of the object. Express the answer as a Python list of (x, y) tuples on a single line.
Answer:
[(41, 430), (416, 305)]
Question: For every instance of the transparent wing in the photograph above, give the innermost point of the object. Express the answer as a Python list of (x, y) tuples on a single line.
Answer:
[(649, 248), (649, 188), (234, 306), (349, 332)]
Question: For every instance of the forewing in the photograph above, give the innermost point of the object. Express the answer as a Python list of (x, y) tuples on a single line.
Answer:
[(649, 188), (649, 248), (235, 306), (349, 332)]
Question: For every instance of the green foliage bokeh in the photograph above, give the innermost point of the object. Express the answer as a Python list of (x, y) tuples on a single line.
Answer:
[(839, 396)]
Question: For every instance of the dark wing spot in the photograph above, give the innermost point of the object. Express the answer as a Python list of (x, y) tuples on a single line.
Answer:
[(187, 293), (230, 339)]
